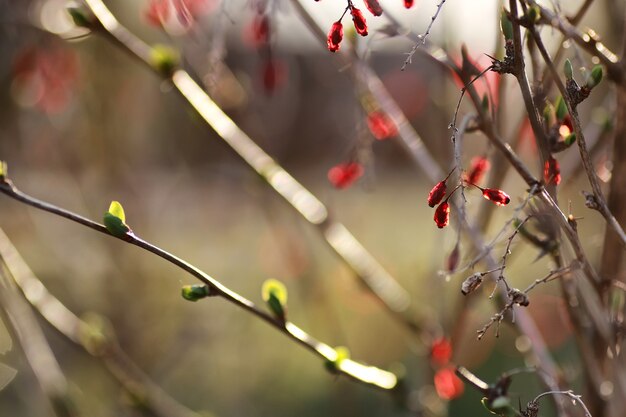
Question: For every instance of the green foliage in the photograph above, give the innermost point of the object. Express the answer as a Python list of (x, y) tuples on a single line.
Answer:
[(500, 406), (80, 16), (343, 353), (568, 69), (561, 108), (506, 26), (274, 293), (115, 220), (533, 14), (595, 76), (570, 139), (164, 59), (195, 292)]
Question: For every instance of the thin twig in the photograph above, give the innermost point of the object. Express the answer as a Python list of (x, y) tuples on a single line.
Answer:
[(422, 37), (367, 269), (80, 332), (368, 375)]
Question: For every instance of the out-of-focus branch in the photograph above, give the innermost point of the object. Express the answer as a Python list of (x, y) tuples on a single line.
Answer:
[(375, 278), (588, 41), (368, 375), (35, 346), (101, 345)]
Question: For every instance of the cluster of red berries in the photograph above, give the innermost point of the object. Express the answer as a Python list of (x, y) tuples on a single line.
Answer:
[(447, 384), (335, 35), (438, 192)]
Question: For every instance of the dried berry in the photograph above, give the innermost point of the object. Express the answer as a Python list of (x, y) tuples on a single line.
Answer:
[(343, 175), (471, 283), (496, 196), (335, 35), (359, 21), (374, 7), (442, 215)]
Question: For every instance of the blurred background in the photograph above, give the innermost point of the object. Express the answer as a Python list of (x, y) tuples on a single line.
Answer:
[(83, 123)]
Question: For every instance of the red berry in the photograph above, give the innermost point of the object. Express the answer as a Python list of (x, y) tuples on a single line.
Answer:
[(498, 197), (552, 171), (408, 3), (447, 384), (343, 175), (260, 29), (335, 35), (441, 351), (479, 166), (359, 21), (374, 7), (381, 126), (442, 215), (437, 193)]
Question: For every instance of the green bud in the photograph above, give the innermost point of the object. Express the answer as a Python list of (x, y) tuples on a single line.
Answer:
[(274, 293), (561, 108), (595, 76), (115, 220), (164, 59), (80, 16), (570, 139), (506, 26), (549, 114), (195, 292), (500, 406), (4, 170), (533, 14), (342, 354), (568, 70)]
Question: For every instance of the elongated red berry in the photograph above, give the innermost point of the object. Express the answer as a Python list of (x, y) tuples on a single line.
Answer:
[(496, 196), (374, 7), (335, 35), (447, 384), (381, 126), (437, 193), (343, 175), (442, 215), (408, 3), (480, 165), (261, 29), (441, 351), (359, 21), (552, 171)]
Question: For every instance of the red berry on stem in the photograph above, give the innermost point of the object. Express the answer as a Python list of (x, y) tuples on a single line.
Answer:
[(343, 175), (552, 171), (496, 196), (381, 126), (447, 384), (480, 165), (437, 193), (408, 3), (359, 21), (442, 215), (374, 7), (441, 351), (335, 35), (260, 29)]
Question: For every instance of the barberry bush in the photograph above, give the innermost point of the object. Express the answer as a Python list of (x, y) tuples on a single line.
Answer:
[(409, 208)]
